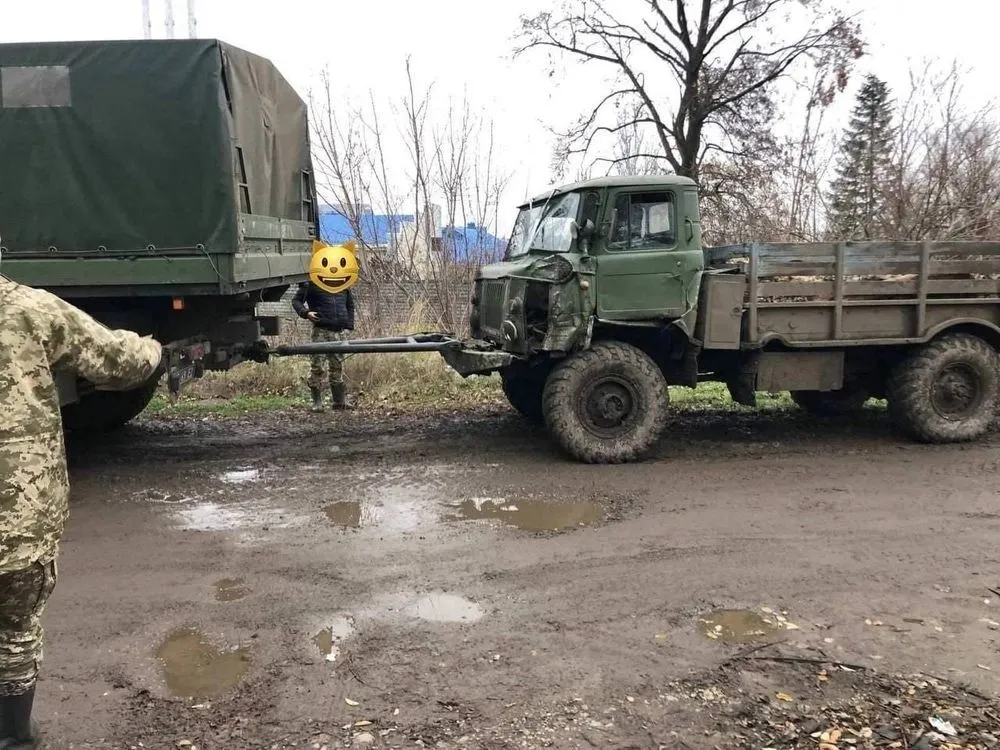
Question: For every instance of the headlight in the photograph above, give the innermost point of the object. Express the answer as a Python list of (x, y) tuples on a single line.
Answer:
[(556, 269)]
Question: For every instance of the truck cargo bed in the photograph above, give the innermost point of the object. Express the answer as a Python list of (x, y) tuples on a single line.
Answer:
[(853, 293)]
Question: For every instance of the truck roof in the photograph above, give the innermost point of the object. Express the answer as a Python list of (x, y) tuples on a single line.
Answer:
[(614, 181), (115, 146)]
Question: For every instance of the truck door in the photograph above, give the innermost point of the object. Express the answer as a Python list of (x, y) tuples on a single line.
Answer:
[(646, 269)]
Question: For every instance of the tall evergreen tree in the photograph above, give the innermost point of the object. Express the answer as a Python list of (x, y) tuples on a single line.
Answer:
[(858, 193)]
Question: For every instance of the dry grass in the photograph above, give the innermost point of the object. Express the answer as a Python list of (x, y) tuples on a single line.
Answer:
[(403, 381)]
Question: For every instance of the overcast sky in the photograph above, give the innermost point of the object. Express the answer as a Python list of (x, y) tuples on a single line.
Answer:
[(365, 43)]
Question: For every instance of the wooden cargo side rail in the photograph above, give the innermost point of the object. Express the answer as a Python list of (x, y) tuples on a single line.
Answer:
[(842, 277)]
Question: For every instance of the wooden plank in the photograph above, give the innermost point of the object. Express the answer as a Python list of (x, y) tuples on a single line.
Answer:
[(963, 286), (838, 293), (754, 296), (925, 267), (985, 267)]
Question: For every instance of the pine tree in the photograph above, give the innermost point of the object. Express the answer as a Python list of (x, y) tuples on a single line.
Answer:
[(858, 192)]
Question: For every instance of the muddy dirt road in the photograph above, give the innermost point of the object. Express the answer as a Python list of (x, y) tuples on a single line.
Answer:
[(283, 580)]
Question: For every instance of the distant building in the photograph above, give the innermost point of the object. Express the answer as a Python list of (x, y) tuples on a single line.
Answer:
[(472, 244), (415, 245)]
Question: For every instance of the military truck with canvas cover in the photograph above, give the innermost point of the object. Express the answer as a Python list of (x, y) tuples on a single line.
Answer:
[(164, 186), (606, 296)]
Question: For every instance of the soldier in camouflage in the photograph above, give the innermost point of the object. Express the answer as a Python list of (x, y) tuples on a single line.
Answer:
[(40, 333)]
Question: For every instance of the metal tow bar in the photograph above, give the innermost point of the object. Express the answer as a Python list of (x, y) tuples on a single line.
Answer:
[(416, 342)]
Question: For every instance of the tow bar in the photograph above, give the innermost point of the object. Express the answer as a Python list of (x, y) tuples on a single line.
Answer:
[(465, 357)]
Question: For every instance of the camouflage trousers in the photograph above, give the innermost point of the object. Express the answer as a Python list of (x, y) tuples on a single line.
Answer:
[(23, 596), (334, 361)]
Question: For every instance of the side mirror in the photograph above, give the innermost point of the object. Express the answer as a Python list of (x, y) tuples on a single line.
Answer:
[(588, 229)]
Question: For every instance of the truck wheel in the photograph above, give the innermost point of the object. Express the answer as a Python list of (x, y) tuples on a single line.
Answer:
[(523, 389), (831, 403), (947, 391), (104, 411), (607, 404)]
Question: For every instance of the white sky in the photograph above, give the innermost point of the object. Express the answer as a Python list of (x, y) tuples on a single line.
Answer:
[(466, 44)]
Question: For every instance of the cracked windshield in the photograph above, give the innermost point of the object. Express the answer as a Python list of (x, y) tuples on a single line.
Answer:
[(546, 227)]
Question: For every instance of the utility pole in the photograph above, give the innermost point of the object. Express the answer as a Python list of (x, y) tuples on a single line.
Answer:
[(192, 21), (147, 24)]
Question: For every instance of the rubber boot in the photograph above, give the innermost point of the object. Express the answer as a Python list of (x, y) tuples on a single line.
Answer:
[(339, 393), (23, 732), (317, 405)]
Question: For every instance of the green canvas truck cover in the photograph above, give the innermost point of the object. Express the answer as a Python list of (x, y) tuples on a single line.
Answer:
[(113, 146)]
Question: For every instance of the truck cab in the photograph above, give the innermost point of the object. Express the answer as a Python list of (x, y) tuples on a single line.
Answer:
[(607, 251)]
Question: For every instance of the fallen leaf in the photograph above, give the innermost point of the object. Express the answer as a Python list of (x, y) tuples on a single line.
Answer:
[(784, 697), (363, 723), (791, 626), (349, 702), (944, 727), (831, 736)]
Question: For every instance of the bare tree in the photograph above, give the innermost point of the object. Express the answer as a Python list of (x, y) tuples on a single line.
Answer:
[(723, 56), (388, 182)]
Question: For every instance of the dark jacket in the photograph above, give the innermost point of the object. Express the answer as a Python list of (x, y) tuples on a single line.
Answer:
[(336, 311)]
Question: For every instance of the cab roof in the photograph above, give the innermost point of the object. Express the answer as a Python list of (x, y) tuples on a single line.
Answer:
[(658, 180)]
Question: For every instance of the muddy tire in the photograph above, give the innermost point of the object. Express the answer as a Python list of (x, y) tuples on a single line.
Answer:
[(947, 391), (831, 403), (523, 389), (106, 411), (607, 404)]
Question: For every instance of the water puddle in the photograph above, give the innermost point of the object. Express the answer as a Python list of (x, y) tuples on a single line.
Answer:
[(330, 638), (444, 608), (212, 516), (530, 514), (737, 626), (193, 668), (162, 497), (349, 514), (240, 476), (230, 589), (396, 508)]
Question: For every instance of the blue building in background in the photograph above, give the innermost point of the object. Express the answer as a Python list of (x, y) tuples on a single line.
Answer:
[(464, 244)]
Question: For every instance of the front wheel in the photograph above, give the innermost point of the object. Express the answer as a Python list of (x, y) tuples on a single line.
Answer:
[(947, 391), (523, 389), (607, 404)]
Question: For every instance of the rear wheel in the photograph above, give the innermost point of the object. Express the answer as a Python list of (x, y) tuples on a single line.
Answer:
[(831, 403), (607, 404), (105, 411), (947, 391)]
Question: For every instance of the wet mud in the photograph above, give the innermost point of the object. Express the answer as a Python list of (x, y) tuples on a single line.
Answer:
[(460, 583)]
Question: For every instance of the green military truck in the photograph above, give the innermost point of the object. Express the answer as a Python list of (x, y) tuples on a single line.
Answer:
[(606, 296), (164, 186)]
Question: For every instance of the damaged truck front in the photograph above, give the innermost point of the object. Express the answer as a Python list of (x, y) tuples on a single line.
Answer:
[(163, 186)]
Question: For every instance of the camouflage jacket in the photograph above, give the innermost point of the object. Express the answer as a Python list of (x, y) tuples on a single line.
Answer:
[(40, 333)]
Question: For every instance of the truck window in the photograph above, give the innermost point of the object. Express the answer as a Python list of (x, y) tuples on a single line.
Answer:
[(643, 221)]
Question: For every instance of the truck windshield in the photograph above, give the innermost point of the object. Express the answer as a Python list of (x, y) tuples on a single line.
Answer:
[(545, 226)]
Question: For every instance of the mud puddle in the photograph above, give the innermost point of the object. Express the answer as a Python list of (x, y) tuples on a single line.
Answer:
[(231, 589), (396, 508), (737, 626), (212, 516), (436, 606), (240, 476), (193, 668), (531, 514), (330, 638)]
